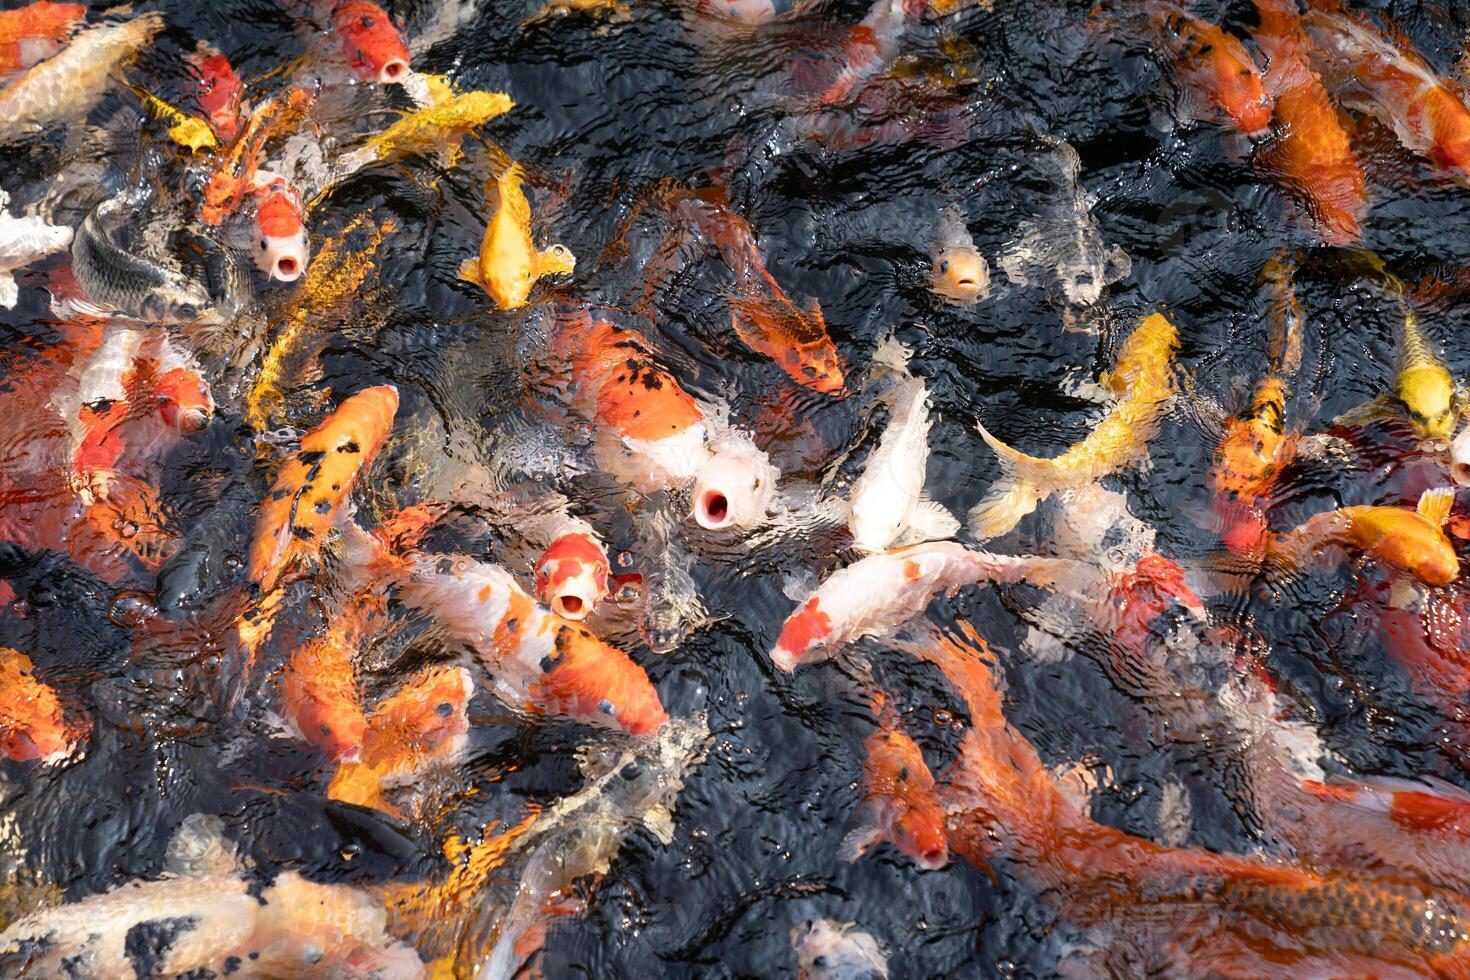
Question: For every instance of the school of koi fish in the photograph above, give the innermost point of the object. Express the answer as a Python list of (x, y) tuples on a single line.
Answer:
[(496, 492)]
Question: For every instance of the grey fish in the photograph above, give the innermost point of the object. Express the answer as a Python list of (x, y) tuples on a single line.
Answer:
[(118, 282)]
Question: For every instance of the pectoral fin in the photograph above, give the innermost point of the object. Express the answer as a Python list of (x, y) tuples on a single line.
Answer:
[(1380, 409), (862, 837), (929, 522), (557, 259)]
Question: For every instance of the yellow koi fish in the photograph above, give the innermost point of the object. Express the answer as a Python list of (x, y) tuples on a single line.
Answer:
[(1141, 383), (445, 118), (509, 265)]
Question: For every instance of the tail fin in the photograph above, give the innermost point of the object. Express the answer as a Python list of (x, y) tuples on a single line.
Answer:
[(1434, 505), (892, 355), (1013, 496)]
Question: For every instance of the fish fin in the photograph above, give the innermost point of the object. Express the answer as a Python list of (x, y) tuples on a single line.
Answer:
[(1404, 594), (9, 291), (1380, 409), (858, 840), (932, 520), (893, 355), (799, 585), (199, 847), (556, 260), (360, 784), (1011, 497), (469, 271), (1434, 505), (74, 307), (1400, 784)]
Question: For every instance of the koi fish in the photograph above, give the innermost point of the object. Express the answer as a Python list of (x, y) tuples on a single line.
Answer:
[(616, 10), (32, 724), (1412, 541), (22, 242), (1313, 158), (899, 805), (281, 248), (1141, 382), (958, 272), (303, 504), (218, 91), (572, 575), (828, 950), (66, 87), (870, 47), (424, 722), (1417, 826), (1187, 910), (1213, 68), (190, 132), (888, 504), (735, 485), (764, 318), (444, 117), (371, 44), (320, 697), (882, 592), (1393, 84), (508, 264), (35, 32), (538, 659)]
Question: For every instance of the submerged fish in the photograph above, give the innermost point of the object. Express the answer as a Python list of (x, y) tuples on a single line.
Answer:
[(888, 505), (23, 241), (118, 282), (958, 272), (539, 660), (1220, 79), (218, 91), (32, 722), (35, 32), (442, 120), (828, 950), (65, 88), (669, 607), (899, 805), (509, 264), (1143, 386), (1412, 541)]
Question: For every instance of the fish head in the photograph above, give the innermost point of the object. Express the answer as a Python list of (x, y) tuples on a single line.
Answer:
[(960, 274), (322, 703), (669, 610), (1242, 93), (827, 950), (425, 719), (281, 250), (184, 400), (918, 832), (1428, 393), (1460, 457), (571, 577), (876, 523), (372, 45), (509, 276), (749, 12), (1247, 460), (218, 91), (734, 487), (589, 680), (180, 301)]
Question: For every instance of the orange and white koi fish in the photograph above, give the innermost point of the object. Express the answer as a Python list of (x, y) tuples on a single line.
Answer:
[(1313, 158), (764, 318), (218, 91), (888, 504), (280, 247), (882, 592), (424, 723), (1143, 387), (1391, 82), (1220, 79), (651, 434), (572, 575), (899, 804), (1183, 910), (539, 660), (308, 493), (1413, 541), (958, 272), (35, 32), (66, 87), (870, 47), (23, 241), (370, 43), (509, 264), (32, 723)]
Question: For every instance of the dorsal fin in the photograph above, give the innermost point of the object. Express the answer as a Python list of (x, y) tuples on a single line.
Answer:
[(1434, 505)]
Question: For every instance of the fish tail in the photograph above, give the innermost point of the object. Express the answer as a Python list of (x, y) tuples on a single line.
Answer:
[(1011, 497), (893, 355)]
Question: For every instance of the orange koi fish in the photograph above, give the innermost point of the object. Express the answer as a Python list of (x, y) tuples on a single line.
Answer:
[(280, 247), (1392, 83), (899, 802), (882, 592), (426, 721), (1412, 541), (1213, 68), (320, 697), (539, 660), (572, 575), (1184, 910), (370, 42), (764, 318), (509, 264), (303, 504), (35, 32), (32, 725), (218, 91), (1313, 158)]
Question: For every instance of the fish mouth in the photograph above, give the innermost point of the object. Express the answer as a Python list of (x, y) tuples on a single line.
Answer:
[(934, 858), (570, 605), (194, 420), (1460, 473), (287, 269), (712, 511), (396, 70)]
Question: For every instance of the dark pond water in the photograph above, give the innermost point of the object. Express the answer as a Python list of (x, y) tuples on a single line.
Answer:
[(606, 107)]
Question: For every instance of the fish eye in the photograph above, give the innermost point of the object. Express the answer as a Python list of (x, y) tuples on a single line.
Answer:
[(820, 962), (188, 311), (631, 771), (944, 266), (264, 245), (607, 707), (444, 708), (757, 484)]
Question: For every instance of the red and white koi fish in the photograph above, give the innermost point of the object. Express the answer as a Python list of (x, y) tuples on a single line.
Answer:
[(1313, 159), (1391, 82), (218, 91), (572, 575), (35, 32), (280, 247), (370, 43), (539, 660), (884, 591), (870, 47), (899, 803)]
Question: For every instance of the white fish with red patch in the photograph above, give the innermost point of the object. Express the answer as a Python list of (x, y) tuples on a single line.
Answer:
[(24, 240)]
